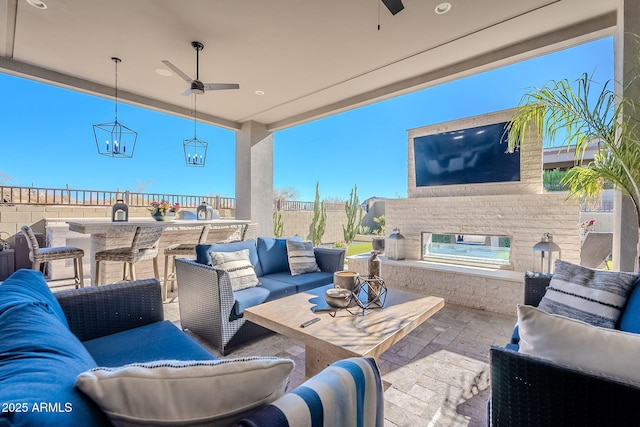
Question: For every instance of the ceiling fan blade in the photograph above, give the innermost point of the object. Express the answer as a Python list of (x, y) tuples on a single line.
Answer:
[(177, 70), (221, 86), (187, 92), (394, 6)]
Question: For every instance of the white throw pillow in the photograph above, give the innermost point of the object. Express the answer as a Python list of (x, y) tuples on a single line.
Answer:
[(302, 258), (238, 265), (176, 393), (569, 342)]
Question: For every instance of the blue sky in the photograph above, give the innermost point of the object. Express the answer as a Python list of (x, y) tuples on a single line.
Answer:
[(50, 130)]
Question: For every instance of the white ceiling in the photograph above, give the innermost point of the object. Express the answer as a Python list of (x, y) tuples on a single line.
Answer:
[(311, 58)]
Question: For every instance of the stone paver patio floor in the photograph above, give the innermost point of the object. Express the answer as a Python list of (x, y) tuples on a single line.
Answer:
[(438, 374)]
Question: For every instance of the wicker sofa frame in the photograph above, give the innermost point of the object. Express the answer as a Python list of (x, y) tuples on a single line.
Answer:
[(99, 311), (529, 391), (207, 301)]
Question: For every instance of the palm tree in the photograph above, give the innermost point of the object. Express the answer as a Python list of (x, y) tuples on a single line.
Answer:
[(575, 110)]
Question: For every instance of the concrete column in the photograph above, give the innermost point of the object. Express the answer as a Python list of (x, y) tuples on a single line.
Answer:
[(254, 176), (625, 224)]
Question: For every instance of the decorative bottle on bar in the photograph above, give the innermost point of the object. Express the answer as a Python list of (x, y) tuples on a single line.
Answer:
[(374, 274)]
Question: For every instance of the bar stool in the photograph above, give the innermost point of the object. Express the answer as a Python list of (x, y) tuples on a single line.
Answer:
[(39, 256), (144, 247), (182, 249)]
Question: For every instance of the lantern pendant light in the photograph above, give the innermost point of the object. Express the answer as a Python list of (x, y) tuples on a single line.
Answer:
[(115, 139), (195, 150)]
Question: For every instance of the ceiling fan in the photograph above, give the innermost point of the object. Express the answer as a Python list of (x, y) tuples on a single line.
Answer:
[(197, 87), (394, 6)]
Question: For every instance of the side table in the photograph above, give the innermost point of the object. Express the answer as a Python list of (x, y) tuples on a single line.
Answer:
[(7, 263), (534, 288)]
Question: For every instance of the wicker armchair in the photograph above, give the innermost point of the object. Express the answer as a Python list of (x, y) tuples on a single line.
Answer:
[(39, 256), (144, 247)]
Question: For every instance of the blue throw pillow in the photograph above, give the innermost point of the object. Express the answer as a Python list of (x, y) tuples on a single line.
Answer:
[(630, 318), (29, 286), (273, 254), (203, 256), (39, 361)]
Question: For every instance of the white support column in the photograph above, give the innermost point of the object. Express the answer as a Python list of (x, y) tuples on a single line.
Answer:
[(625, 224), (254, 176)]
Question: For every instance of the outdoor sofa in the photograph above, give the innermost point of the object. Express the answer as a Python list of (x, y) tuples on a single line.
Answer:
[(583, 375), (211, 309), (51, 346)]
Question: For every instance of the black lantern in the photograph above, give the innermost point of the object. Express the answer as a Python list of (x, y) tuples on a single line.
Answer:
[(120, 211), (195, 150), (545, 252), (115, 139), (395, 245)]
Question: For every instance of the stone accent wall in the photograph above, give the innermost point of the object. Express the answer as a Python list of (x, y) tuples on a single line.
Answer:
[(530, 162), (497, 292), (524, 218)]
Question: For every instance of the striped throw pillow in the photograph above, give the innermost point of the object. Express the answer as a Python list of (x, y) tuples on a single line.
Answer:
[(592, 296), (239, 267), (302, 259)]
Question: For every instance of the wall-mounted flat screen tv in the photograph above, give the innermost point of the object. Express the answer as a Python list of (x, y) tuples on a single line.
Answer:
[(467, 156)]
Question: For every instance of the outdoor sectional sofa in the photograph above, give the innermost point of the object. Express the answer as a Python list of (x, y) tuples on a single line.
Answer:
[(556, 386), (51, 346), (212, 310)]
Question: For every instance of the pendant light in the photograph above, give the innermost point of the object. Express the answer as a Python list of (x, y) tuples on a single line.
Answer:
[(195, 150), (115, 139)]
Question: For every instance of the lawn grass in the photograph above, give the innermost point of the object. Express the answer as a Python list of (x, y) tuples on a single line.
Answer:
[(359, 248)]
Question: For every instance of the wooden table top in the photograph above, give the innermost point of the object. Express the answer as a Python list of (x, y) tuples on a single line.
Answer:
[(346, 335)]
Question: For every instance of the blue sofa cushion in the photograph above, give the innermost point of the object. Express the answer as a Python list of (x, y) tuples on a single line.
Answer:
[(29, 286), (160, 340), (303, 282), (273, 254), (248, 298), (39, 361), (203, 257), (630, 318), (277, 288)]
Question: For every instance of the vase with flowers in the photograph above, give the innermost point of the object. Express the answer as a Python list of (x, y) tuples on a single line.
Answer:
[(163, 210)]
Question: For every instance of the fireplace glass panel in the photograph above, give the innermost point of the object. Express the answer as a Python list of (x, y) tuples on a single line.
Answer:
[(467, 249)]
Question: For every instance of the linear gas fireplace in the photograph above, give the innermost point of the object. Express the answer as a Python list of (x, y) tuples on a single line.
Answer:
[(474, 249)]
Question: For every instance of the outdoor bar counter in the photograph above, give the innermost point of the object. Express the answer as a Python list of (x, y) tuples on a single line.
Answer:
[(108, 235)]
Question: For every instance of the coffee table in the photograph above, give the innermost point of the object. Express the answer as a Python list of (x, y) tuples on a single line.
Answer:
[(345, 335)]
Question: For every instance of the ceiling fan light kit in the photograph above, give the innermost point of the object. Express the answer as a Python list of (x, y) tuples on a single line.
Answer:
[(115, 139)]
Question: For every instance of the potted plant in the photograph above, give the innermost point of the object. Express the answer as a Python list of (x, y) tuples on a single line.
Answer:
[(584, 115), (163, 210)]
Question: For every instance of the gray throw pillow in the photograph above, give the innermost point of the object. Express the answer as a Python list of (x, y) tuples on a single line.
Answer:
[(238, 265), (592, 296), (302, 259)]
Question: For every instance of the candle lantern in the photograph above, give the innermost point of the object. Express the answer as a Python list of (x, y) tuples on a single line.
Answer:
[(395, 245), (545, 252), (203, 212), (120, 211)]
